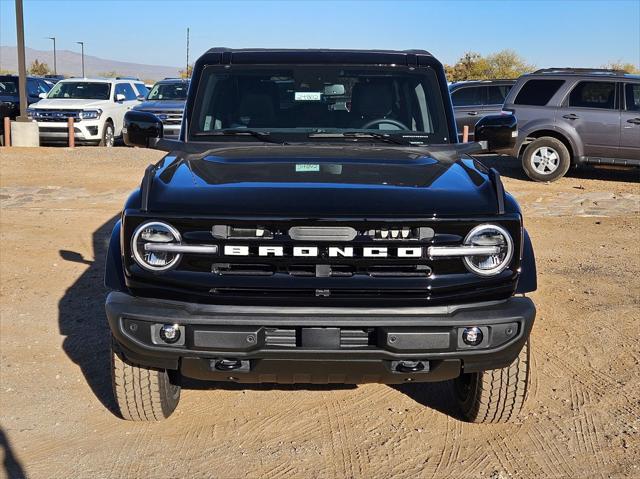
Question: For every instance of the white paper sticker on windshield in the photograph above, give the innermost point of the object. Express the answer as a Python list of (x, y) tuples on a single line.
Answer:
[(304, 167), (207, 123), (307, 96)]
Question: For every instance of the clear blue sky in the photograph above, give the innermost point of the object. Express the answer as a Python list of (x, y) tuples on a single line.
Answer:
[(546, 32)]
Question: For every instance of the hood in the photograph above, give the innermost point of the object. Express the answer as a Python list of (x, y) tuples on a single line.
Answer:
[(161, 105), (68, 103), (323, 182)]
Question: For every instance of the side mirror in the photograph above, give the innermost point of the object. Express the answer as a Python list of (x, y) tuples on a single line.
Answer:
[(499, 132), (140, 98), (42, 95), (141, 128), (120, 97)]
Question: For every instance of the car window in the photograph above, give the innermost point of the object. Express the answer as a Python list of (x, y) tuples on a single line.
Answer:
[(32, 87), (169, 91), (632, 95), (593, 94), (142, 90), (467, 96), (127, 90), (80, 90), (497, 93), (537, 92), (43, 86)]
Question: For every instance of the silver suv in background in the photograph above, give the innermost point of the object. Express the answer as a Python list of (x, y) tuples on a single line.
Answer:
[(477, 98), (166, 100), (573, 116)]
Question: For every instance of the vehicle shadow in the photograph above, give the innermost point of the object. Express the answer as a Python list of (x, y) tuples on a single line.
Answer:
[(12, 466), (510, 167), (81, 318)]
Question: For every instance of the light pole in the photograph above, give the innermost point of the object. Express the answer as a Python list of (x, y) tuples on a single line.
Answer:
[(22, 68), (82, 45), (55, 70)]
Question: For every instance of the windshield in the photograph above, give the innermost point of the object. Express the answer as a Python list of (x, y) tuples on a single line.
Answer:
[(9, 87), (310, 101), (81, 90), (169, 91)]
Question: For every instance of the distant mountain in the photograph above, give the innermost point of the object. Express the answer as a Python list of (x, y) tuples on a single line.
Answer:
[(70, 64)]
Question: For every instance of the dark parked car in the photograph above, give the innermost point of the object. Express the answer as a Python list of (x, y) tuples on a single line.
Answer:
[(572, 116), (474, 99), (10, 96), (286, 239), (166, 100)]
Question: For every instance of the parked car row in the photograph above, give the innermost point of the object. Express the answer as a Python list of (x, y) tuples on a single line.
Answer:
[(566, 117)]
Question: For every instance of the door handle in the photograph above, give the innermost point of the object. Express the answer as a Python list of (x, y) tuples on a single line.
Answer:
[(571, 116), (635, 121), (472, 113)]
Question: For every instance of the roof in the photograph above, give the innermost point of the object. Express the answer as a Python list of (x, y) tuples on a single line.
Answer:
[(510, 81), (584, 72), (319, 56), (97, 80)]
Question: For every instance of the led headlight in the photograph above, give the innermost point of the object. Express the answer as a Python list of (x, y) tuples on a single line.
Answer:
[(489, 235), (90, 114), (155, 233)]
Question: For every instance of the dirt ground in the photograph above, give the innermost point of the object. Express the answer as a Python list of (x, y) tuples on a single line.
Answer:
[(582, 417)]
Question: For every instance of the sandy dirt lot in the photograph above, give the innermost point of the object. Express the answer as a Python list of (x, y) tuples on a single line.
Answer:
[(582, 417)]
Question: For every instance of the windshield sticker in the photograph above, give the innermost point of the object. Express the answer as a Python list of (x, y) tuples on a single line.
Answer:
[(307, 96), (306, 167), (207, 123)]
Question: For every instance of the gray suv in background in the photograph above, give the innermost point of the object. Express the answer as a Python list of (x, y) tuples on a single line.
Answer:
[(474, 99), (571, 116), (166, 100)]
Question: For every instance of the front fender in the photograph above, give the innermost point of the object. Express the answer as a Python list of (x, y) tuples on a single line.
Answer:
[(528, 280), (113, 271)]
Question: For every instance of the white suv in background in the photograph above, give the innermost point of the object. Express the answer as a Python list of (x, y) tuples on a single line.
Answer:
[(96, 105)]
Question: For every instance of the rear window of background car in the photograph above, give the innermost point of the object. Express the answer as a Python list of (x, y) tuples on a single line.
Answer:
[(467, 96), (593, 94), (496, 94), (537, 92), (632, 94)]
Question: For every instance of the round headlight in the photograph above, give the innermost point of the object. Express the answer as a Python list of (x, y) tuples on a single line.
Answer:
[(489, 235), (155, 232)]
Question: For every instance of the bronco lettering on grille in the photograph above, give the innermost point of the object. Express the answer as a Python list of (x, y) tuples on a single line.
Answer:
[(331, 252)]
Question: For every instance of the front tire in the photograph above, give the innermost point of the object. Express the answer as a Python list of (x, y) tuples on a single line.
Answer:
[(108, 135), (546, 159), (142, 394), (497, 395)]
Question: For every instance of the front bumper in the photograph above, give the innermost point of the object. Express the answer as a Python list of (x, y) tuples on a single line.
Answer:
[(319, 345), (85, 131)]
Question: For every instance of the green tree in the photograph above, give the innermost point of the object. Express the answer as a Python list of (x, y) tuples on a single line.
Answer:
[(620, 65), (38, 68), (473, 66), (186, 73)]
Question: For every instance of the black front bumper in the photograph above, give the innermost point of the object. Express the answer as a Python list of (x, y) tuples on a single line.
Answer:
[(319, 345)]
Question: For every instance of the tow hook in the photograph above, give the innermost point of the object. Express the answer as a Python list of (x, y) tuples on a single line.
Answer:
[(410, 366), (228, 364)]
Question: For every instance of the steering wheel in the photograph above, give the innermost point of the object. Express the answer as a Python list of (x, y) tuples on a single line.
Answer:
[(381, 121)]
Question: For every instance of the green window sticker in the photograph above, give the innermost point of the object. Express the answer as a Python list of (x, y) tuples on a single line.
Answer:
[(306, 167)]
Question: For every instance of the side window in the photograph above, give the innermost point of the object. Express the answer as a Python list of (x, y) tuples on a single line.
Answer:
[(467, 96), (32, 87), (127, 90), (593, 94), (497, 94), (43, 86), (142, 90), (537, 92), (632, 96)]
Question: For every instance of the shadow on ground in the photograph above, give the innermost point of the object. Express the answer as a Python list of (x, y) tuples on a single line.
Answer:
[(511, 167), (11, 465), (82, 321)]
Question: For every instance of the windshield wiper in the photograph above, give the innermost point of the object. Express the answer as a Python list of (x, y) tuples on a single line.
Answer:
[(260, 135), (384, 137)]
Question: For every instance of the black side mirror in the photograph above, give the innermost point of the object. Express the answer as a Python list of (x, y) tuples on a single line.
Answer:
[(141, 128), (498, 131)]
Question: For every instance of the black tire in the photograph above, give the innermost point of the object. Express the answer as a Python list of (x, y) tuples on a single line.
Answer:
[(557, 165), (108, 135), (496, 395), (142, 394)]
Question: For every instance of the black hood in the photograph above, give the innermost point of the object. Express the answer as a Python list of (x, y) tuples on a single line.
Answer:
[(317, 181)]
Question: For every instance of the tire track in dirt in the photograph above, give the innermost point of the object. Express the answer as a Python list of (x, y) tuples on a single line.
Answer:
[(552, 461)]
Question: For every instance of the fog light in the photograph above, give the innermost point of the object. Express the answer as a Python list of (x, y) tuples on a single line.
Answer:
[(472, 336), (170, 333)]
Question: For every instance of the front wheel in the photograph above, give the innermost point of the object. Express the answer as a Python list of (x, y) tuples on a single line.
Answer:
[(496, 395), (108, 135), (142, 394), (546, 159)]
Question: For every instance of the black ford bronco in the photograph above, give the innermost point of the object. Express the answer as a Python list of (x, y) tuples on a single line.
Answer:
[(317, 221)]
